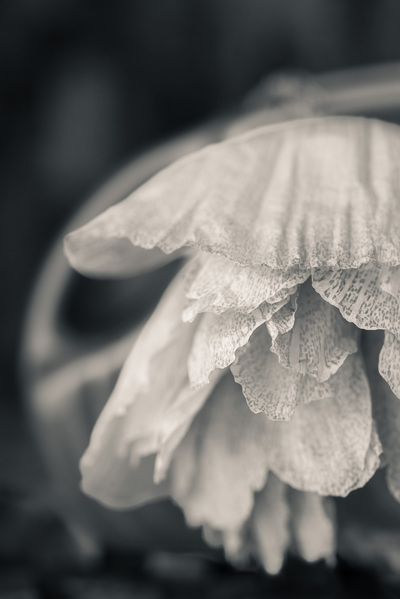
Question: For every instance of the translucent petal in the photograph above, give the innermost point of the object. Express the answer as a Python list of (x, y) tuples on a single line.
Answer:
[(151, 379), (218, 336), (270, 524), (387, 415), (117, 483), (357, 294), (386, 408), (320, 339), (117, 257), (224, 458), (389, 362), (283, 321), (177, 420), (389, 280), (329, 447), (220, 462), (316, 193), (270, 388), (312, 525), (221, 285)]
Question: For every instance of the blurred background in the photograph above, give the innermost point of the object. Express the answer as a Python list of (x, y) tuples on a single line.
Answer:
[(84, 86)]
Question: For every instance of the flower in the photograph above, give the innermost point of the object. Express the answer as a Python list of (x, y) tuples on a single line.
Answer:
[(250, 391)]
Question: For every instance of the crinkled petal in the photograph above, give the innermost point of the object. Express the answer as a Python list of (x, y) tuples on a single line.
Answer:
[(312, 524), (218, 336), (270, 524), (359, 297), (315, 193), (283, 321), (270, 388), (151, 379), (389, 280), (219, 285), (389, 362), (320, 339)]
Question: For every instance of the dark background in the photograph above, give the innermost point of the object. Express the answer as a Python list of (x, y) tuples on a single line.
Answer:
[(86, 84)]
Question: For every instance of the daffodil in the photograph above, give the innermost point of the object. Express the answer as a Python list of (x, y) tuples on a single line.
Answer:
[(250, 396)]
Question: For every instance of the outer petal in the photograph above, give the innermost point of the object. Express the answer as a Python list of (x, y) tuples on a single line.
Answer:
[(389, 280), (129, 426), (313, 526), (320, 340), (219, 285), (270, 524), (218, 336), (389, 362), (387, 416), (315, 193), (329, 447), (177, 420), (270, 388), (220, 462), (386, 411), (357, 294), (227, 452), (117, 257)]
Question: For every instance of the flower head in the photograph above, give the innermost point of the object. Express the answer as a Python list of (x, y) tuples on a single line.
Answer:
[(247, 390)]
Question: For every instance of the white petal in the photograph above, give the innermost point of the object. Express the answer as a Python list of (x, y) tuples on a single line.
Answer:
[(220, 462), (177, 420), (270, 388), (218, 336), (357, 294), (389, 362), (93, 254), (320, 340), (117, 483), (386, 411), (329, 447), (224, 458), (270, 524), (152, 377), (315, 193), (313, 526), (389, 280), (219, 285), (283, 321)]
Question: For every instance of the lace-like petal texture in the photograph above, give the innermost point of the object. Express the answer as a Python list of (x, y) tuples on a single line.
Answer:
[(270, 388), (219, 285), (320, 339), (359, 297), (218, 336), (274, 196)]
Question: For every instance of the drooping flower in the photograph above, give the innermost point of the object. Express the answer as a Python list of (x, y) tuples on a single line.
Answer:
[(246, 397)]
